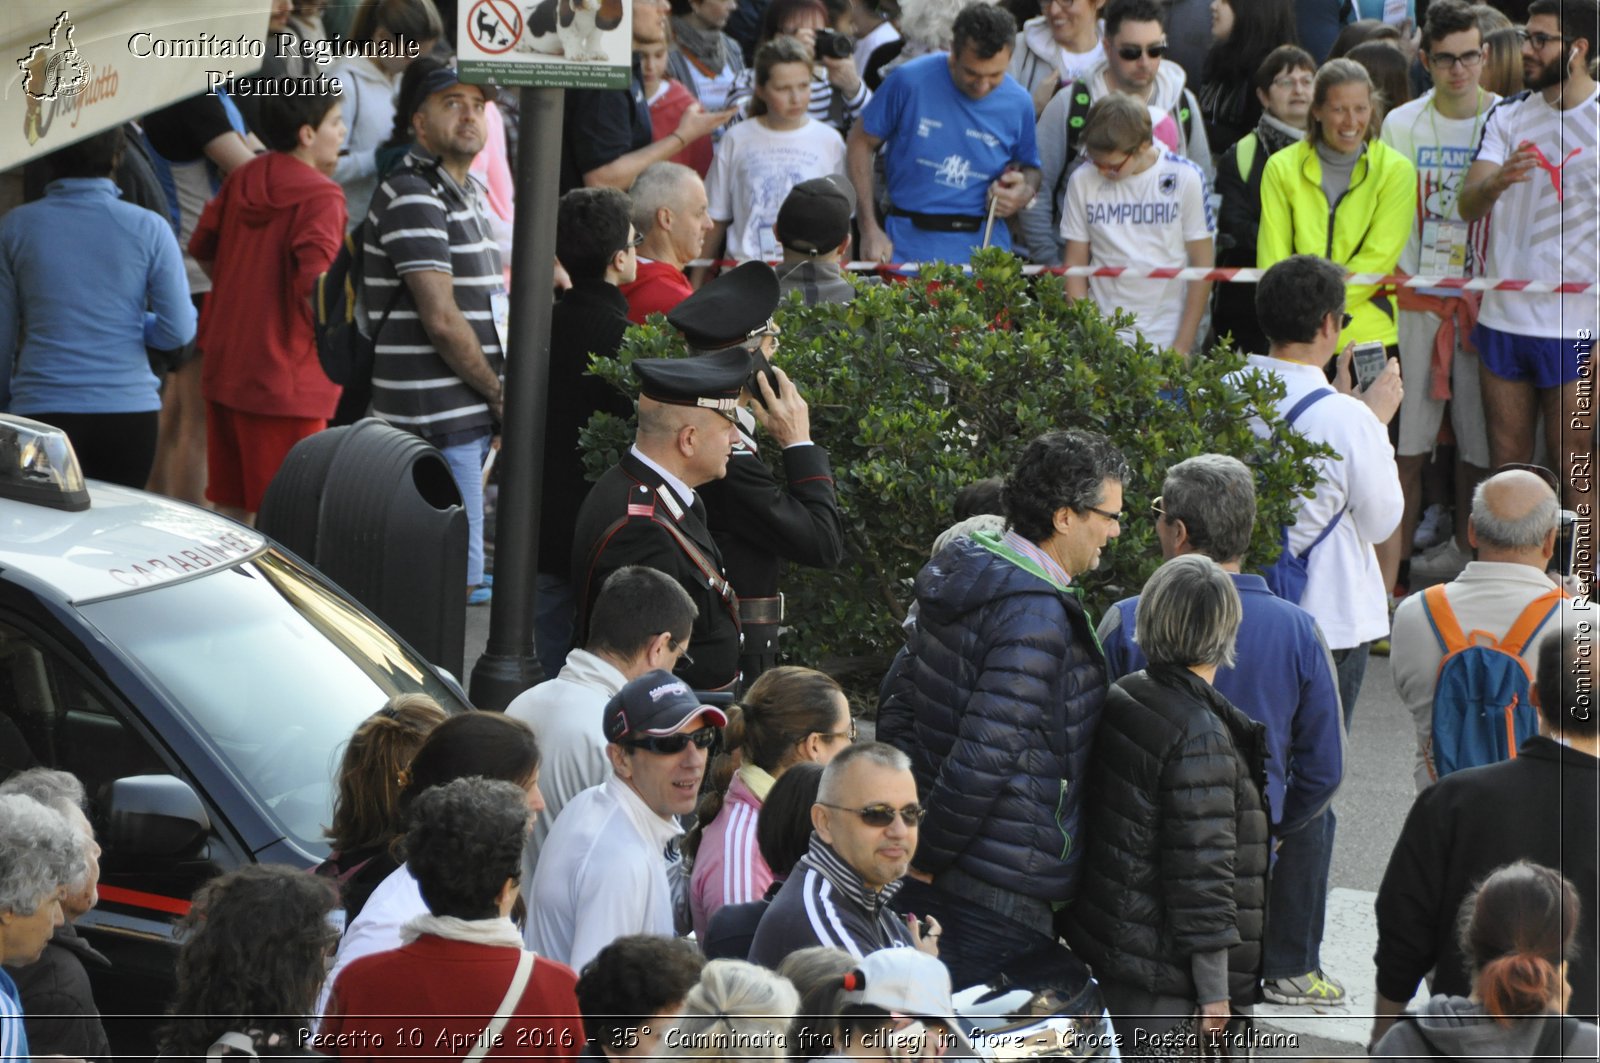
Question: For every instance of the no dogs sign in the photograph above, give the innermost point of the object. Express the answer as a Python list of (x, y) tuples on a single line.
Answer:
[(556, 44)]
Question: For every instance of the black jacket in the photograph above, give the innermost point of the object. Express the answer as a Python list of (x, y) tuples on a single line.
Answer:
[(1178, 837), (824, 902), (1539, 806), (759, 523), (58, 1006), (589, 319), (614, 529), (1239, 170), (996, 703)]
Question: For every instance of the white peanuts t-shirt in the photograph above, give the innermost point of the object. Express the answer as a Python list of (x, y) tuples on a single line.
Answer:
[(752, 172), (1141, 221)]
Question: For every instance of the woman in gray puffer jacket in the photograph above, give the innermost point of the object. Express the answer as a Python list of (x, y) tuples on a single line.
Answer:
[(1518, 928), (1170, 913)]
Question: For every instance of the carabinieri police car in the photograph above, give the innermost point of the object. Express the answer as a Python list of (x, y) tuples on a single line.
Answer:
[(199, 679)]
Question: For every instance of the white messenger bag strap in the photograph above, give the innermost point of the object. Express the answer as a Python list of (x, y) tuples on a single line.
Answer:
[(519, 982)]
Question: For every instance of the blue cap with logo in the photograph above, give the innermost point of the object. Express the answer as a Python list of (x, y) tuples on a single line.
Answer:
[(655, 705)]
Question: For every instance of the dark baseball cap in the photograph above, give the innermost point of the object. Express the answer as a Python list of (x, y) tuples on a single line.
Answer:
[(446, 77), (815, 216), (655, 705)]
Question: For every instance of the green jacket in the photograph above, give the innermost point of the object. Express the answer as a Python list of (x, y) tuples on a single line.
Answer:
[(1365, 231)]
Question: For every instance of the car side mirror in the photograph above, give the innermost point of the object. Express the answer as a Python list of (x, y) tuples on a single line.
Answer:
[(154, 815)]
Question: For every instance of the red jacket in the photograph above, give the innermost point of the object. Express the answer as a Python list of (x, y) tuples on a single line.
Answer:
[(433, 997), (665, 113), (275, 225), (656, 290)]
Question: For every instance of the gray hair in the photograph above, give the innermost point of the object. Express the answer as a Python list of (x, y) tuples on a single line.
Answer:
[(880, 753), (659, 185), (1525, 533), (1215, 497), (43, 852), (1189, 614), (736, 1011), (56, 789)]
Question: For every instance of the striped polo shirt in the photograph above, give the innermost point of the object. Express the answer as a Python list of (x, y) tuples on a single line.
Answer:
[(421, 219)]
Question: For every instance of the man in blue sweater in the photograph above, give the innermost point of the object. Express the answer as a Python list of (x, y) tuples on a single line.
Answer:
[(1284, 678)]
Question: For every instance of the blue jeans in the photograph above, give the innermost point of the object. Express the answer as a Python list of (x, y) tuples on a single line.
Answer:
[(466, 467), (1350, 666), (553, 619), (1297, 901), (979, 936)]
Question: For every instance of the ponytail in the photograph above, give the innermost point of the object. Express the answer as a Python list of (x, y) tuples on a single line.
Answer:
[(719, 776), (1521, 983)]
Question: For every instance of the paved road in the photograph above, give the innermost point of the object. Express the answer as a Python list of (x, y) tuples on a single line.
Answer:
[(1371, 808)]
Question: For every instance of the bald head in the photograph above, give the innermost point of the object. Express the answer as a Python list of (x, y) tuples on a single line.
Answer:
[(1514, 517)]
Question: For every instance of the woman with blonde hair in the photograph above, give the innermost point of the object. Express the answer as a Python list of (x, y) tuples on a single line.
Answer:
[(1518, 930), (737, 1011), (366, 809), (1501, 73), (789, 716)]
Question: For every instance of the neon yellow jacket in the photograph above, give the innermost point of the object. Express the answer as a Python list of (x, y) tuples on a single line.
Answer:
[(1364, 232)]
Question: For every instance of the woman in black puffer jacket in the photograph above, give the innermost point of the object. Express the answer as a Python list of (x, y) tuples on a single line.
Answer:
[(1170, 912)]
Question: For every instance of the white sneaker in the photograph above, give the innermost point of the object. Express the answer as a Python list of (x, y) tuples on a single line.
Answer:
[(1439, 565), (1434, 528)]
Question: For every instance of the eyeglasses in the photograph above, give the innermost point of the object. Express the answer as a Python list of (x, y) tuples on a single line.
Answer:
[(635, 241), (672, 745), (1155, 507), (1287, 82), (1115, 518), (850, 734), (672, 647), (1444, 60), (1344, 320), (1108, 169), (1131, 52), (883, 815), (1539, 40)]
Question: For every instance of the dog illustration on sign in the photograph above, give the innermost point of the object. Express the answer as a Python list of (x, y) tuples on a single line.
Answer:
[(487, 28), (572, 28)]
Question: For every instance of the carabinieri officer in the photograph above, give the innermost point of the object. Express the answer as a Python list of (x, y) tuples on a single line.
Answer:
[(757, 522), (645, 509)]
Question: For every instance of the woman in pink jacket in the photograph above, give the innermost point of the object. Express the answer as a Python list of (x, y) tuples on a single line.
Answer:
[(790, 715)]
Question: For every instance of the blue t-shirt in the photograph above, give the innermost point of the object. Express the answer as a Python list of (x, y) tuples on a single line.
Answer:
[(13, 1038), (942, 150)]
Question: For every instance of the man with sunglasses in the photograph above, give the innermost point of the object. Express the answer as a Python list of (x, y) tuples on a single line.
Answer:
[(1135, 45), (758, 523), (645, 511), (865, 826), (1536, 169), (609, 865), (1439, 134)]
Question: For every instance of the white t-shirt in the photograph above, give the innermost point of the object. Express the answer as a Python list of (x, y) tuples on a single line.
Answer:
[(752, 172), (1441, 150), (1143, 220), (881, 35), (1534, 235)]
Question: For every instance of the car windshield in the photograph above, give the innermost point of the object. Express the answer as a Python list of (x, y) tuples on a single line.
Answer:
[(276, 669)]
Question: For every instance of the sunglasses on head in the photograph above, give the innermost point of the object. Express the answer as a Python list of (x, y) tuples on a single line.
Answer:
[(1131, 52), (883, 815), (672, 745)]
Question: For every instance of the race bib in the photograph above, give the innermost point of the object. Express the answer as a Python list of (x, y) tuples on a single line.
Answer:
[(1444, 248), (500, 311)]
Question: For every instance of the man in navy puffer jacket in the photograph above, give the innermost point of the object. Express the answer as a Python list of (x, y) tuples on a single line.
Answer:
[(996, 701)]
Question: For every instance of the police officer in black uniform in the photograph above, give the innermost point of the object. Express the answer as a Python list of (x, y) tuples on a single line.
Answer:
[(756, 521), (646, 511)]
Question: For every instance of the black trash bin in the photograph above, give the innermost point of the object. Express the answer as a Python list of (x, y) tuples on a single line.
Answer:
[(376, 510)]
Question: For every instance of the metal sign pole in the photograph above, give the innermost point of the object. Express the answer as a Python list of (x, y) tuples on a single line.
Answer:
[(509, 664)]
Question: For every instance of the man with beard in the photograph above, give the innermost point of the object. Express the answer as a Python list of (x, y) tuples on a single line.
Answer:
[(1536, 169)]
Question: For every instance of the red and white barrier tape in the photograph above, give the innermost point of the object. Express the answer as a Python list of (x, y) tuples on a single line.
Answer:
[(1243, 276)]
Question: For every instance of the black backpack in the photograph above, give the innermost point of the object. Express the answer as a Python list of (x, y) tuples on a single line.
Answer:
[(1078, 114)]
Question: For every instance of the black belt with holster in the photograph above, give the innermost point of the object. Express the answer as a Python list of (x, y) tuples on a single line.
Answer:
[(761, 620), (940, 223)]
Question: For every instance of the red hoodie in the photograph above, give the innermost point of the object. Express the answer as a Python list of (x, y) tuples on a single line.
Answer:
[(275, 225)]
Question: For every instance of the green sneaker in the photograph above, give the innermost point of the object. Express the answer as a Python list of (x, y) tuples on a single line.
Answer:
[(1313, 988)]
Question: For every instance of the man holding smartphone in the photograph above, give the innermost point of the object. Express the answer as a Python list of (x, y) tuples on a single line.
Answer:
[(757, 522)]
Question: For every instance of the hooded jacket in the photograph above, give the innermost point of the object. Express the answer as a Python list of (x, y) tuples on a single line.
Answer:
[(1036, 55), (1181, 130), (274, 227), (1178, 851), (1455, 1028), (996, 704), (1364, 231)]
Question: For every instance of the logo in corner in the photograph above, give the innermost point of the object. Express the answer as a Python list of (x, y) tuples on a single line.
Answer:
[(54, 69), (1168, 184)]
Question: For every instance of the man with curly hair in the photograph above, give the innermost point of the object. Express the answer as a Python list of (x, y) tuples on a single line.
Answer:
[(996, 704)]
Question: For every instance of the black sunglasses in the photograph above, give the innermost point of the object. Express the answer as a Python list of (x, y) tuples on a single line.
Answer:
[(672, 745), (883, 815), (1131, 52)]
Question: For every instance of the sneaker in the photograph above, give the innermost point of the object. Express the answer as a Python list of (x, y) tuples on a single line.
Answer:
[(1379, 647), (480, 595), (1313, 988), (1434, 528), (1439, 565)]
